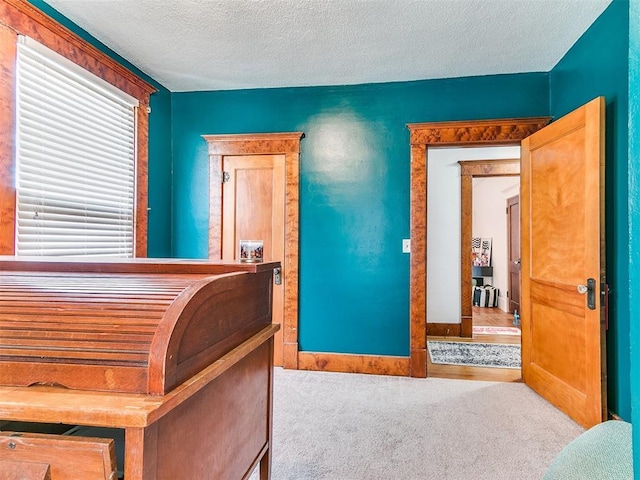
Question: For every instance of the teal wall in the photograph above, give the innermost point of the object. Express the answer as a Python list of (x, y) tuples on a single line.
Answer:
[(634, 220), (159, 244), (354, 188), (160, 166), (597, 65)]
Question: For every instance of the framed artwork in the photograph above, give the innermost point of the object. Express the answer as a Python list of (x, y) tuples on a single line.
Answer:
[(481, 252)]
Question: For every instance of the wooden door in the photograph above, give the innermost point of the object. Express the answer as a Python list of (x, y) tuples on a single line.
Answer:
[(253, 202), (513, 226), (563, 337)]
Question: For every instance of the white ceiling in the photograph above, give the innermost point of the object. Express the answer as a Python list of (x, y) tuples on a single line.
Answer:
[(192, 45)]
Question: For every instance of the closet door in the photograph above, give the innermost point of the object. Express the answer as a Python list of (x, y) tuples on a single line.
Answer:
[(253, 203)]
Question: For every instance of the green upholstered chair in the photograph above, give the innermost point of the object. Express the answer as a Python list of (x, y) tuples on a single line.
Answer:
[(601, 453)]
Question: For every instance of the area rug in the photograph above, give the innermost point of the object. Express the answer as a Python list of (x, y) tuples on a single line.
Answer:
[(474, 354), (489, 330)]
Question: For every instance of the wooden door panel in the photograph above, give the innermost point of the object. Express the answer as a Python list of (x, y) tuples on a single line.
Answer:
[(514, 291), (562, 246), (558, 358), (513, 212), (557, 232), (253, 204)]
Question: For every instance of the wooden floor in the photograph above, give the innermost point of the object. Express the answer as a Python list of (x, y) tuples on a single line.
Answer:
[(488, 317), (492, 316)]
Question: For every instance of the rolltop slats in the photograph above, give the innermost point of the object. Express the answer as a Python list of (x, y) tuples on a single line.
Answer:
[(105, 327)]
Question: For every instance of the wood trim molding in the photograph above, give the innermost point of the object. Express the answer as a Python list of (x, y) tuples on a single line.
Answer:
[(466, 326), (417, 261), (490, 168), (440, 134), (478, 132), (468, 170), (346, 363), (445, 329), (142, 183), (18, 17), (254, 143), (466, 233), (287, 144), (7, 141)]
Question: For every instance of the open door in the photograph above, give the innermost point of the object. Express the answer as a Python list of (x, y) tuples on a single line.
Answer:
[(563, 324)]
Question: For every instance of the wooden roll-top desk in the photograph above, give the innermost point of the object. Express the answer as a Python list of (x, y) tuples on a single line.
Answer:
[(135, 369)]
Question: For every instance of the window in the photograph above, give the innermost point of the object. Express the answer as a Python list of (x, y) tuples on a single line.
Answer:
[(75, 159)]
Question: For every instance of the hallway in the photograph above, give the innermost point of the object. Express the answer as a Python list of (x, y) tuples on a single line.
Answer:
[(493, 317)]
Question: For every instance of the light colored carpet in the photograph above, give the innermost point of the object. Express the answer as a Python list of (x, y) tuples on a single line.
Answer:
[(335, 426)]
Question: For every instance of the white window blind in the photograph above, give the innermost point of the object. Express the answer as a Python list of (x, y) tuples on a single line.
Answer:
[(75, 159)]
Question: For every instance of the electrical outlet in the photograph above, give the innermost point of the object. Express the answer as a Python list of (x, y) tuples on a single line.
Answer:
[(406, 245)]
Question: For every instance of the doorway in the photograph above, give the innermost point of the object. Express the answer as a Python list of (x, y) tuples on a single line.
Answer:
[(265, 169), (492, 324), (481, 184), (423, 135), (472, 225), (562, 244), (452, 172)]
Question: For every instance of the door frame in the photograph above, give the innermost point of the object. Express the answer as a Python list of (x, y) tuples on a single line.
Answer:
[(470, 169), (443, 134), (287, 144)]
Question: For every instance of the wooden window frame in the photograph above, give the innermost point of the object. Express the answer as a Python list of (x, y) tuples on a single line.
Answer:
[(18, 17)]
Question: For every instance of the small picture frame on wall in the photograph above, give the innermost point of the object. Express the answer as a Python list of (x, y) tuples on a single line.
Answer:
[(481, 252)]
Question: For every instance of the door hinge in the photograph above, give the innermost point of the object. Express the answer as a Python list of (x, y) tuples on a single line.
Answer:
[(225, 177)]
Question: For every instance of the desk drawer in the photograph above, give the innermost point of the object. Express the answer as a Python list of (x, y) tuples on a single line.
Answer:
[(68, 457)]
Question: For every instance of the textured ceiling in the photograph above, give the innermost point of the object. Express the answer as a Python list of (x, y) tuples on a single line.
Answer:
[(191, 45)]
